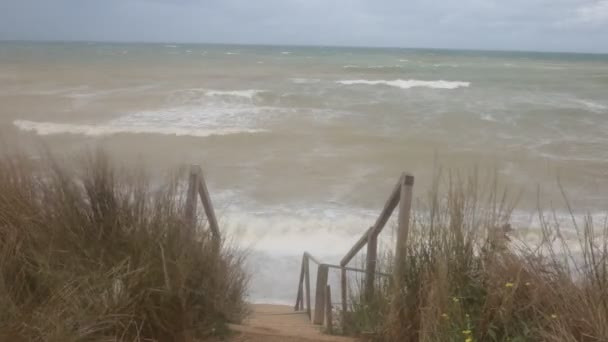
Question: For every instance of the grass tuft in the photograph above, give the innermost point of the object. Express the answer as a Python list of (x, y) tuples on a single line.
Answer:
[(92, 253), (466, 278)]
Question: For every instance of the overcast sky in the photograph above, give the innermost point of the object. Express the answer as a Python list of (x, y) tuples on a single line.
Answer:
[(545, 25)]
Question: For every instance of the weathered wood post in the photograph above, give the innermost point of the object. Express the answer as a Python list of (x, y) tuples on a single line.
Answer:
[(322, 275), (307, 287), (344, 294), (209, 212), (191, 196), (403, 226), (328, 310), (300, 298), (370, 265)]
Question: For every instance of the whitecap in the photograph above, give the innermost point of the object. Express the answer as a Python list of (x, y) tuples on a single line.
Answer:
[(488, 117), (298, 80), (192, 118), (231, 53), (285, 53), (407, 84), (592, 106), (94, 130), (403, 60), (248, 93)]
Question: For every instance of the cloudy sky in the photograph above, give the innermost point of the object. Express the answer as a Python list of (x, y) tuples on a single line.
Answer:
[(545, 25)]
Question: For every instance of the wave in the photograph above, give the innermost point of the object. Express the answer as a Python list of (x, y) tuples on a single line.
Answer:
[(249, 93), (305, 80), (592, 106), (351, 66), (407, 84), (50, 128)]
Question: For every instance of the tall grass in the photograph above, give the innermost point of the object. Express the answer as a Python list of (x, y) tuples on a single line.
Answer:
[(94, 254), (465, 277)]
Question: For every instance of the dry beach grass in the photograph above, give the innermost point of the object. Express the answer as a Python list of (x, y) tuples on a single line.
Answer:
[(92, 254), (463, 280)]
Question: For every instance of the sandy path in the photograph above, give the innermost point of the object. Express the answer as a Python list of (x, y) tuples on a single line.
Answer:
[(277, 323)]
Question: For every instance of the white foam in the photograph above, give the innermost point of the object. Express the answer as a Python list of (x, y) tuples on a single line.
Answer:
[(592, 106), (305, 80), (49, 128), (248, 93), (488, 117), (285, 53), (190, 114), (403, 60), (290, 231), (232, 53), (407, 84)]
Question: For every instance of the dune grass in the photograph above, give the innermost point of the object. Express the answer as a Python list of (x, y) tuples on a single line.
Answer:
[(94, 254), (466, 277)]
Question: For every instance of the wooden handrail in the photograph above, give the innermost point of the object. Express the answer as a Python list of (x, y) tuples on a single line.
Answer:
[(388, 209), (197, 184), (322, 281), (402, 196), (356, 247)]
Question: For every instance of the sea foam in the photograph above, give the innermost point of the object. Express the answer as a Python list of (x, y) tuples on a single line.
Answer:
[(248, 93), (50, 128), (407, 84)]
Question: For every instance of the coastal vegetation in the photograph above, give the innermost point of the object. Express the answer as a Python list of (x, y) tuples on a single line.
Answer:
[(468, 276), (93, 253)]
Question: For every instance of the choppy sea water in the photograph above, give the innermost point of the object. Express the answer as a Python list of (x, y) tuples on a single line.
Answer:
[(301, 145)]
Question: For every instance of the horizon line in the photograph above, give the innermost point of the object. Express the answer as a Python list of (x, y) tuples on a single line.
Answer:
[(299, 46)]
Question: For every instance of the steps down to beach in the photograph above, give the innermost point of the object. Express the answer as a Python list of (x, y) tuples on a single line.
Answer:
[(277, 323)]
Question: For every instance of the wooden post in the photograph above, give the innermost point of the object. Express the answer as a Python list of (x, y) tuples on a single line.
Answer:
[(208, 206), (344, 291), (405, 206), (370, 267), (322, 275), (191, 199), (328, 310), (307, 287), (299, 299)]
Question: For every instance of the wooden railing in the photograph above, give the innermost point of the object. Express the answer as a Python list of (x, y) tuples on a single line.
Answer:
[(197, 185), (323, 304), (402, 196)]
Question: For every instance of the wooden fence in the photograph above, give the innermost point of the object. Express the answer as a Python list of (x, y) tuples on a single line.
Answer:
[(197, 185), (401, 196)]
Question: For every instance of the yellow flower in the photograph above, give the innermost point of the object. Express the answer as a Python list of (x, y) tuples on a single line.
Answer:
[(468, 339), (455, 300), (466, 332), (554, 316), (509, 285)]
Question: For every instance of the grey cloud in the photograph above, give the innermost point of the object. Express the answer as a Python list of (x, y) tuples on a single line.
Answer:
[(569, 25)]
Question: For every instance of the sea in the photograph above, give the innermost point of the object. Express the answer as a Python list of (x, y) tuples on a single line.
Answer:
[(301, 145)]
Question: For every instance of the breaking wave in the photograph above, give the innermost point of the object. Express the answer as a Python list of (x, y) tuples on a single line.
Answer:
[(50, 128), (407, 84), (249, 93)]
